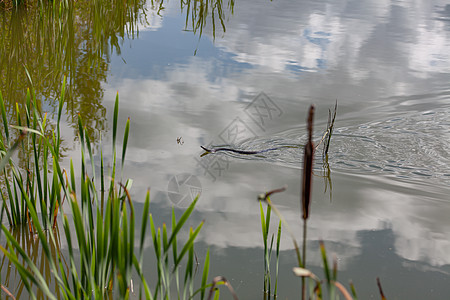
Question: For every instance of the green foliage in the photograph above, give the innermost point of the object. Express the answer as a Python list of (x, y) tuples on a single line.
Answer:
[(315, 284), (64, 37), (30, 182), (102, 226), (164, 245), (332, 285), (265, 224)]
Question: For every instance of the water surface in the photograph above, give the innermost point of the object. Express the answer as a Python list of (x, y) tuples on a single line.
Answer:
[(387, 63)]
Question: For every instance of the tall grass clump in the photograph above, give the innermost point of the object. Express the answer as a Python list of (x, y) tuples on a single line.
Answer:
[(268, 249), (65, 37), (102, 226), (311, 285), (29, 186)]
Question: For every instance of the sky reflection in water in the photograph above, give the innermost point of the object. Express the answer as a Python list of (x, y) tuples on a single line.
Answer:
[(386, 63)]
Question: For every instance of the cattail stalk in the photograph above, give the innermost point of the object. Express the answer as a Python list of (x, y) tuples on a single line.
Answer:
[(306, 185)]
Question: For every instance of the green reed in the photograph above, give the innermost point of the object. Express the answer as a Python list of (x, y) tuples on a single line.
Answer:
[(268, 247), (103, 221), (65, 37), (315, 286), (312, 289), (29, 183)]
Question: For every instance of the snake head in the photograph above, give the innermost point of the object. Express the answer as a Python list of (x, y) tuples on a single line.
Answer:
[(207, 151)]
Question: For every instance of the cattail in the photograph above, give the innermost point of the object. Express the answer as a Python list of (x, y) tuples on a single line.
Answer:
[(307, 166)]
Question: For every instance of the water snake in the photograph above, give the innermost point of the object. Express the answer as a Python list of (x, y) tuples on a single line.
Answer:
[(245, 152)]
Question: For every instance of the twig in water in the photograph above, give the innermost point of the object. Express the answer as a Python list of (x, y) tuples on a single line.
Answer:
[(328, 132), (263, 197), (381, 290), (8, 293), (226, 282), (330, 127)]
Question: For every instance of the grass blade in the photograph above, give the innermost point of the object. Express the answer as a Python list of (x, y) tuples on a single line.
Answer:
[(35, 276), (182, 220), (10, 152), (353, 290), (205, 275), (61, 104), (145, 215), (188, 244), (115, 121), (278, 258), (125, 141), (5, 120), (343, 290)]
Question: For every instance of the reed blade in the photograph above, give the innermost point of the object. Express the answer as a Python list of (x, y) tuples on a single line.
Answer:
[(5, 120), (182, 220), (125, 141), (115, 121), (205, 275), (188, 244)]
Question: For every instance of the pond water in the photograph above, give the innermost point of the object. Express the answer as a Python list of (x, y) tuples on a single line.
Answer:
[(247, 83)]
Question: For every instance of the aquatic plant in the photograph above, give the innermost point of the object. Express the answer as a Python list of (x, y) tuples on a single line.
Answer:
[(315, 286), (268, 247), (325, 142), (65, 37), (28, 185), (102, 225), (315, 290)]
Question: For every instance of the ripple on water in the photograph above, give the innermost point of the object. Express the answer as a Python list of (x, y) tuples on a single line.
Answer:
[(414, 146)]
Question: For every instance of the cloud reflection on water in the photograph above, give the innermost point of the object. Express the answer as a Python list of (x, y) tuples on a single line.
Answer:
[(366, 55)]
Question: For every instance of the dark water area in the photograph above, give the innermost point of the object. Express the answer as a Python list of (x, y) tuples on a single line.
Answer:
[(246, 81)]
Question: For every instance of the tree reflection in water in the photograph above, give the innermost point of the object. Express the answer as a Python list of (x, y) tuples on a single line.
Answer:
[(198, 13), (76, 39), (72, 38)]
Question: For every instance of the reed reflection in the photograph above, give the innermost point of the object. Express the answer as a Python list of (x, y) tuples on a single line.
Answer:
[(30, 244), (52, 39), (198, 13), (77, 39)]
